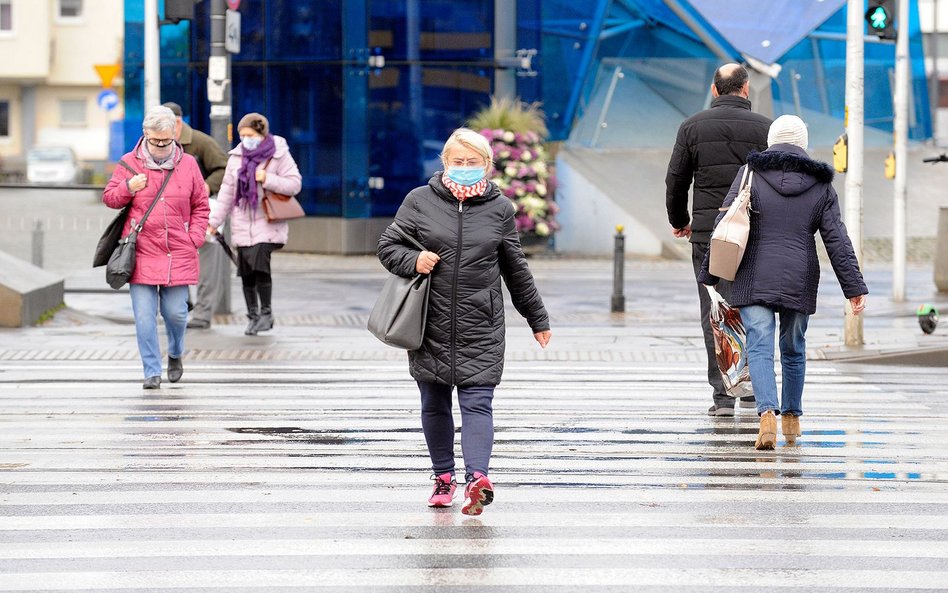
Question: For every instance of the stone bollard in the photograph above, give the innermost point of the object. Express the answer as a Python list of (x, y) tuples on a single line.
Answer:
[(618, 272), (941, 251), (37, 250)]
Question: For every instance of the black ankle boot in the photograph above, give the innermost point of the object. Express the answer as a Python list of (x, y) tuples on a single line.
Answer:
[(264, 322)]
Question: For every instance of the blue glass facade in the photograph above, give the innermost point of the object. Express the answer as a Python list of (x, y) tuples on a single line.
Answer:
[(305, 65)]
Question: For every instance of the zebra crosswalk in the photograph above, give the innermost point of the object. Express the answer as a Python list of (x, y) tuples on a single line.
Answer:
[(263, 476)]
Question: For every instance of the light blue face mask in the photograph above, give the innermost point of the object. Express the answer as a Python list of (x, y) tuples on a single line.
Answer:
[(251, 142), (466, 175)]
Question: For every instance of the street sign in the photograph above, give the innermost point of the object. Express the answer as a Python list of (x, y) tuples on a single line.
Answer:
[(233, 4), (232, 31), (107, 73), (107, 100)]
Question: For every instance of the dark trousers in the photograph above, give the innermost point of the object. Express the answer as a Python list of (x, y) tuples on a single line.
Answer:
[(698, 252), (477, 426)]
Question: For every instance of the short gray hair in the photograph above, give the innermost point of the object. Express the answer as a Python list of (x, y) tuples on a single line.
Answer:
[(159, 119)]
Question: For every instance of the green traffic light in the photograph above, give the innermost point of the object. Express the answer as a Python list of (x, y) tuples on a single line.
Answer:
[(879, 18)]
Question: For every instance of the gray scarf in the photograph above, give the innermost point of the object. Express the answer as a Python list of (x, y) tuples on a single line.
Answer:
[(150, 163)]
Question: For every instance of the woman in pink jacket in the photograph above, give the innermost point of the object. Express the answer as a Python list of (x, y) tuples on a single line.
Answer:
[(166, 256), (260, 162)]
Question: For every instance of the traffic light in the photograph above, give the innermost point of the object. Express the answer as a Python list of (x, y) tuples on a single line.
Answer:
[(881, 18), (179, 10)]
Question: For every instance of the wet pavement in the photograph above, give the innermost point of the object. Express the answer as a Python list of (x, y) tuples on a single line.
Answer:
[(294, 460)]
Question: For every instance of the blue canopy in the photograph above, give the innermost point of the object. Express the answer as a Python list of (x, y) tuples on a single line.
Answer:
[(765, 29)]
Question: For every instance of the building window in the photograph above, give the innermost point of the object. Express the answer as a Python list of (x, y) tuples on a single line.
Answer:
[(6, 16), (72, 113), (70, 9), (4, 119)]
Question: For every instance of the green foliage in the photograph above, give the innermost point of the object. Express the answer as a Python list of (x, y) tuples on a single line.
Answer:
[(510, 114)]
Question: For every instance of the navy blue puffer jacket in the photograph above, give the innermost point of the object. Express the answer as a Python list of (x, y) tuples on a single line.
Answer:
[(791, 199), (478, 244)]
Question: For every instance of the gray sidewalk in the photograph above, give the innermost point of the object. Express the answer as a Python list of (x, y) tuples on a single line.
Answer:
[(322, 303)]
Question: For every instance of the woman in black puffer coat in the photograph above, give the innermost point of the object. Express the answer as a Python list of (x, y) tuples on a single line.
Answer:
[(791, 199), (467, 227)]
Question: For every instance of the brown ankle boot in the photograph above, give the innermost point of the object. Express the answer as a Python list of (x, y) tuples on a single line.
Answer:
[(767, 435), (790, 427)]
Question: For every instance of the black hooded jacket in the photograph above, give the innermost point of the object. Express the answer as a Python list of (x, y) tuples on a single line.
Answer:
[(478, 243), (711, 146), (791, 199)]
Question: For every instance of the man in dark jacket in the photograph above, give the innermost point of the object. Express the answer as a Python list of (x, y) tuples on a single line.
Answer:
[(710, 148), (214, 270)]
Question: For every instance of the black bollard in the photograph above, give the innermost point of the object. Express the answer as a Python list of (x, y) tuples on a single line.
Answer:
[(618, 272), (37, 243)]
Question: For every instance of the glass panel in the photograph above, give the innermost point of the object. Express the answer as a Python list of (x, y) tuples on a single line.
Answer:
[(4, 118), (305, 30), (412, 111), (72, 112), (70, 8), (432, 30), (6, 16)]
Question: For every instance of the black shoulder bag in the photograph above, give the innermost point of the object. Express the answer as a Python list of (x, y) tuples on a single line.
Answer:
[(121, 263)]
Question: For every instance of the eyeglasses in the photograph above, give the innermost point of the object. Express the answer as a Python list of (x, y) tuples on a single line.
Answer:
[(468, 162), (160, 142)]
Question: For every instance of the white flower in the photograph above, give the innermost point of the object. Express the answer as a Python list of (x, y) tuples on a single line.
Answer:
[(542, 229), (526, 156), (508, 137), (510, 171), (520, 192), (541, 189), (505, 154), (540, 166)]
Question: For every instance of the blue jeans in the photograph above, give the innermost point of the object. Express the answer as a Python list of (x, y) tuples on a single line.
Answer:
[(477, 426), (174, 310), (760, 325)]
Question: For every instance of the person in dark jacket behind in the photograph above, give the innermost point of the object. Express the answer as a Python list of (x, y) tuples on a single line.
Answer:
[(791, 199), (468, 229), (711, 146)]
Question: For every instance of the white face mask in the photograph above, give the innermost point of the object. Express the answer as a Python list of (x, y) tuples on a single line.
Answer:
[(250, 142)]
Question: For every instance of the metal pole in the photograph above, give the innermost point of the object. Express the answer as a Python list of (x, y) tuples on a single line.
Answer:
[(219, 98), (505, 45), (901, 153), (934, 79), (37, 254), (855, 114), (618, 272), (152, 56)]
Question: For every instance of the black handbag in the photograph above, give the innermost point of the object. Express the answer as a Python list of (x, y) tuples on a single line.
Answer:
[(121, 263), (401, 311), (113, 233)]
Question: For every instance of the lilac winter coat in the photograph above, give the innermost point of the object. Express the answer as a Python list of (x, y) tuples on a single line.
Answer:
[(166, 253), (250, 227)]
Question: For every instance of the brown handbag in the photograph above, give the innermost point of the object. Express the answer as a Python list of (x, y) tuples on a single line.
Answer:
[(278, 207)]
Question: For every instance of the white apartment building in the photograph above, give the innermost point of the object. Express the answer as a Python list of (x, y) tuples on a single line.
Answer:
[(48, 82)]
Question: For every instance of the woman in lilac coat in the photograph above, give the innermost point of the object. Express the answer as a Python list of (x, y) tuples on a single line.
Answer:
[(260, 162), (166, 256)]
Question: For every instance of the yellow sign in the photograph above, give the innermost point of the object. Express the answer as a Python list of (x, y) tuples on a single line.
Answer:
[(890, 166), (841, 154), (107, 73)]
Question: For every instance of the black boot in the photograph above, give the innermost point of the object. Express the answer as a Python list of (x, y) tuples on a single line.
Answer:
[(265, 290), (250, 297)]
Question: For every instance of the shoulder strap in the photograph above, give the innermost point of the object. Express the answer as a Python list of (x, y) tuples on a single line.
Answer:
[(405, 235), (127, 166), (161, 190)]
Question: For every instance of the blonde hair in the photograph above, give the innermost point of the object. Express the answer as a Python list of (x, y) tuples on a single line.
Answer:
[(468, 138)]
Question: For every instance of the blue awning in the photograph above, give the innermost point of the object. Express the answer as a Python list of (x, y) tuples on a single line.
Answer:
[(765, 29)]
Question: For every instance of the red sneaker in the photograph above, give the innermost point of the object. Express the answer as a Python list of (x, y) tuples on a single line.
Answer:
[(443, 493), (478, 493)]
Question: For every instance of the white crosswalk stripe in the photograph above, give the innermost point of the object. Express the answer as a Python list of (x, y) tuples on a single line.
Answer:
[(297, 477)]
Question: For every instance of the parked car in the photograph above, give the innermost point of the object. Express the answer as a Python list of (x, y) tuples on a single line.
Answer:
[(51, 164)]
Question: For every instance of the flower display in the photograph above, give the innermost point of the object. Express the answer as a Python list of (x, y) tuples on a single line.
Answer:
[(516, 132)]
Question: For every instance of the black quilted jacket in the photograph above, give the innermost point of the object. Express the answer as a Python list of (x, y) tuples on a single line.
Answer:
[(791, 200), (478, 243)]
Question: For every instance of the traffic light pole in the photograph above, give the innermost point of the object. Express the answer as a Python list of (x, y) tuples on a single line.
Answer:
[(152, 56), (855, 95), (901, 153)]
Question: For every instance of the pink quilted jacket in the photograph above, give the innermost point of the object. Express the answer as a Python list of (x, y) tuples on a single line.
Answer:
[(166, 254), (250, 227)]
